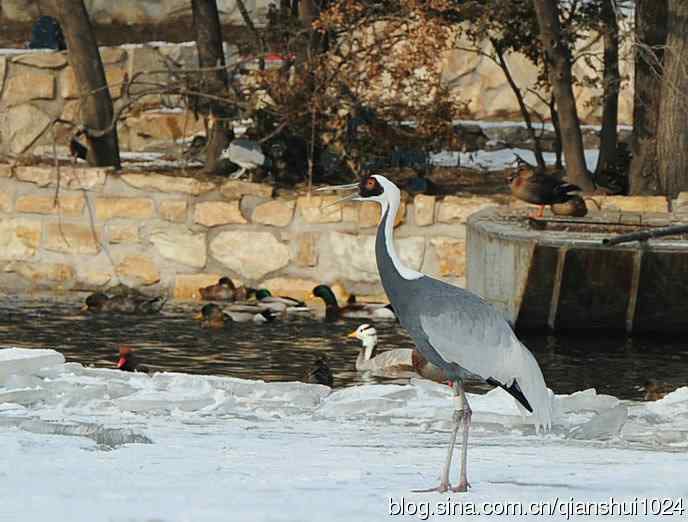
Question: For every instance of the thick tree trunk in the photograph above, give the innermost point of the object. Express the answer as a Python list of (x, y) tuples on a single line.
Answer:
[(672, 127), (650, 35), (206, 22), (559, 65), (611, 83), (96, 104)]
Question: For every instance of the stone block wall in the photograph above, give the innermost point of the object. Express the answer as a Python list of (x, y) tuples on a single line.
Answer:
[(36, 88), (170, 234)]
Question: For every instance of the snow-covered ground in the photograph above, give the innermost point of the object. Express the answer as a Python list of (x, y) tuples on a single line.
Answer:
[(84, 444), (501, 158)]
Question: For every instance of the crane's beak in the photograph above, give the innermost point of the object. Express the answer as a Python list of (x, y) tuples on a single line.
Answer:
[(198, 317), (349, 186), (353, 334)]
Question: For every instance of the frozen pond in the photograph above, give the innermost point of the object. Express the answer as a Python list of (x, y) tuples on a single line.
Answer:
[(84, 444)]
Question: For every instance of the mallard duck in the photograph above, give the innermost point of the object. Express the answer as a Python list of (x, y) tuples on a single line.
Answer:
[(319, 373), (391, 360), (654, 391), (280, 304), (213, 316), (352, 310), (124, 304), (225, 290), (574, 206), (128, 362), (531, 186)]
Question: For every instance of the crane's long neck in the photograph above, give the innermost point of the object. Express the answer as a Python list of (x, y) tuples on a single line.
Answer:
[(388, 262), (368, 349)]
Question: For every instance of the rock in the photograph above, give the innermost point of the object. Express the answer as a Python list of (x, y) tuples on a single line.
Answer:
[(234, 189), (294, 287), (42, 87), (186, 285), (131, 208), (25, 124), (451, 254), (350, 213), (315, 209), (634, 203), (354, 256), (277, 213), (307, 254), (213, 213), (72, 238), (43, 274), (173, 210), (162, 183), (161, 127), (455, 209), (136, 271), (370, 213), (73, 178), (46, 60), (6, 196), (71, 206), (250, 254), (424, 210), (177, 243), (127, 233), (6, 171), (111, 55), (114, 76), (19, 238), (88, 277)]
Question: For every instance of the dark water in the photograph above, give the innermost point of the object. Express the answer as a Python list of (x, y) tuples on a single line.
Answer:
[(282, 350)]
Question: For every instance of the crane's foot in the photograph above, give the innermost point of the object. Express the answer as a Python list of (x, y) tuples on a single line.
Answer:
[(462, 487), (442, 488)]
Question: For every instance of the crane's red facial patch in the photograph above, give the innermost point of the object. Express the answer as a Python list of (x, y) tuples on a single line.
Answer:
[(370, 187)]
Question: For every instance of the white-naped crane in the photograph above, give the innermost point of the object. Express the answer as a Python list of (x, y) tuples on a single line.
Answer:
[(452, 328)]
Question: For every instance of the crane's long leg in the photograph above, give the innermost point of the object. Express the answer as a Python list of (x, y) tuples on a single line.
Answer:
[(444, 486), (467, 413)]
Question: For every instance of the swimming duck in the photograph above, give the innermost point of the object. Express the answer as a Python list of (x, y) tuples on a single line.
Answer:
[(398, 360), (225, 290), (392, 360), (319, 373), (280, 304), (352, 310), (124, 304), (655, 391), (128, 362), (531, 186), (574, 206), (213, 316)]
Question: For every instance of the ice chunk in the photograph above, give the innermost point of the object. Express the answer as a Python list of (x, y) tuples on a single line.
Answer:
[(586, 400), (603, 426), (15, 361), (103, 436)]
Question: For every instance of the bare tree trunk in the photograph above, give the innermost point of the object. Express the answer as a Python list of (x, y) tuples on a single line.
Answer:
[(96, 104), (611, 84), (672, 127), (206, 22), (557, 54), (554, 115), (651, 34), (537, 145)]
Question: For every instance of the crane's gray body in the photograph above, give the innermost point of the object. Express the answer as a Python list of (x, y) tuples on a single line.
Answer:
[(428, 309)]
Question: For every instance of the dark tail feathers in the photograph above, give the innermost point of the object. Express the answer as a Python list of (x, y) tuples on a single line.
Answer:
[(566, 188), (514, 390)]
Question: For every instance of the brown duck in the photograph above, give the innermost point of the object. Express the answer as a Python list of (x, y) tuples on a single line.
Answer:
[(225, 290), (539, 188), (574, 206)]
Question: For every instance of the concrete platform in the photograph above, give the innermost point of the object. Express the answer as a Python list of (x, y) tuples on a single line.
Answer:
[(555, 273)]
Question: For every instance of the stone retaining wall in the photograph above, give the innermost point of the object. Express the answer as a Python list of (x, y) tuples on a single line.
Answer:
[(170, 234)]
